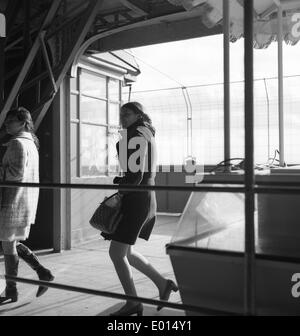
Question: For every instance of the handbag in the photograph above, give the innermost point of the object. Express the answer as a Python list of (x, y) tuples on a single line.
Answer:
[(108, 215)]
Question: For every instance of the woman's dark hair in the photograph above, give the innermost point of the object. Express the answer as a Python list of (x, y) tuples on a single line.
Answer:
[(138, 109), (22, 114)]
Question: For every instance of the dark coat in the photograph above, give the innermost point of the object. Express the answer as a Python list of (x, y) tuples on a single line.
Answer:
[(138, 208)]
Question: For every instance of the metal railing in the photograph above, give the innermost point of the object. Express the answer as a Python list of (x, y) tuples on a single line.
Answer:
[(259, 188), (249, 188)]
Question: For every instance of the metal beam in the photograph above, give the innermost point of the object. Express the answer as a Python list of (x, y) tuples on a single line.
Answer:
[(18, 40), (138, 9), (26, 27), (11, 13), (144, 33), (46, 57), (140, 24), (83, 28), (2, 70), (34, 81), (268, 11), (127, 16), (33, 51)]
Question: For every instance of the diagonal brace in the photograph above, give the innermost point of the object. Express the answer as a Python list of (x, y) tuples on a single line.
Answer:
[(86, 22), (46, 57), (138, 9), (29, 60)]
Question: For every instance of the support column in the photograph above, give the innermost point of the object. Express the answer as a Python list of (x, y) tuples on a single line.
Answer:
[(61, 163), (2, 72), (280, 85), (249, 274), (226, 48)]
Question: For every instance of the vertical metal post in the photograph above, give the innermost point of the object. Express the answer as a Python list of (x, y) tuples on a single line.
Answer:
[(107, 127), (189, 125), (129, 92), (249, 298), (26, 29), (280, 85), (2, 59), (62, 197), (2, 72), (226, 48), (268, 106)]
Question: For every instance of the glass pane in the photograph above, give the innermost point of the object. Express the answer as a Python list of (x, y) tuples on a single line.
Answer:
[(207, 123), (93, 150), (74, 106), (74, 149), (93, 85), (114, 89), (292, 117), (168, 111), (113, 162), (212, 221), (114, 113), (278, 229), (93, 110)]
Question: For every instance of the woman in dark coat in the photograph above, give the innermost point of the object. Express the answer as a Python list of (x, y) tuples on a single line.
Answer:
[(137, 157)]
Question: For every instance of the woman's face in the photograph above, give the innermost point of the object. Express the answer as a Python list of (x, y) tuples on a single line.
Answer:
[(127, 117), (13, 125)]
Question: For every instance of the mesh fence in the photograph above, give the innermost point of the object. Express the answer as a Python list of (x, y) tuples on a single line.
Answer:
[(169, 110)]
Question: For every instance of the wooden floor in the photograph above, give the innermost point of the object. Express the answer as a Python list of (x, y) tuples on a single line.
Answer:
[(88, 265)]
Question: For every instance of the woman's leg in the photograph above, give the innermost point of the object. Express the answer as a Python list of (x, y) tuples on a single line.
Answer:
[(11, 260), (9, 248), (118, 254), (31, 259), (139, 262), (165, 286)]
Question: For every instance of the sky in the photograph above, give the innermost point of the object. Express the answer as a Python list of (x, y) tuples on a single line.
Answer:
[(200, 61)]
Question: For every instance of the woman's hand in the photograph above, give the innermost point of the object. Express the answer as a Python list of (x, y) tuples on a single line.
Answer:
[(117, 180)]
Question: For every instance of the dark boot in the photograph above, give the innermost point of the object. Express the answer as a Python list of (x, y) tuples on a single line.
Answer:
[(11, 268), (31, 259)]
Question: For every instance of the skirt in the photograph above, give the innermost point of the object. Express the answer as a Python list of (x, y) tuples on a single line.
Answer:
[(12, 234), (139, 215)]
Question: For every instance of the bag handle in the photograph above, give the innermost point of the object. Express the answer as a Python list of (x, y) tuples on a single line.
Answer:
[(111, 196)]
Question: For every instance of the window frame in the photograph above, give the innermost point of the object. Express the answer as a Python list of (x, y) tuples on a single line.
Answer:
[(80, 122)]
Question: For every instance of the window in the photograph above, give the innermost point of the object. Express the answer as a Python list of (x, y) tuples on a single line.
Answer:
[(94, 111)]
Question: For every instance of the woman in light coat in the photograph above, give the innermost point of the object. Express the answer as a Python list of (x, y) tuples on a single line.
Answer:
[(18, 205)]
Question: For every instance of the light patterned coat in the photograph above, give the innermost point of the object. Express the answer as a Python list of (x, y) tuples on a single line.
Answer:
[(20, 163)]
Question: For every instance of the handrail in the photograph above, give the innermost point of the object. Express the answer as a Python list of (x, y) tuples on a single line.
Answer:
[(260, 187), (120, 187), (232, 254), (96, 292)]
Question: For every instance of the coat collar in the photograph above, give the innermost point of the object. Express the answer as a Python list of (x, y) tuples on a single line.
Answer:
[(23, 135)]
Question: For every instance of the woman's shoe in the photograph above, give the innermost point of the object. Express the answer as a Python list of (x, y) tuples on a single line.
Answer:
[(32, 260), (45, 275), (10, 295), (138, 310), (170, 286)]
